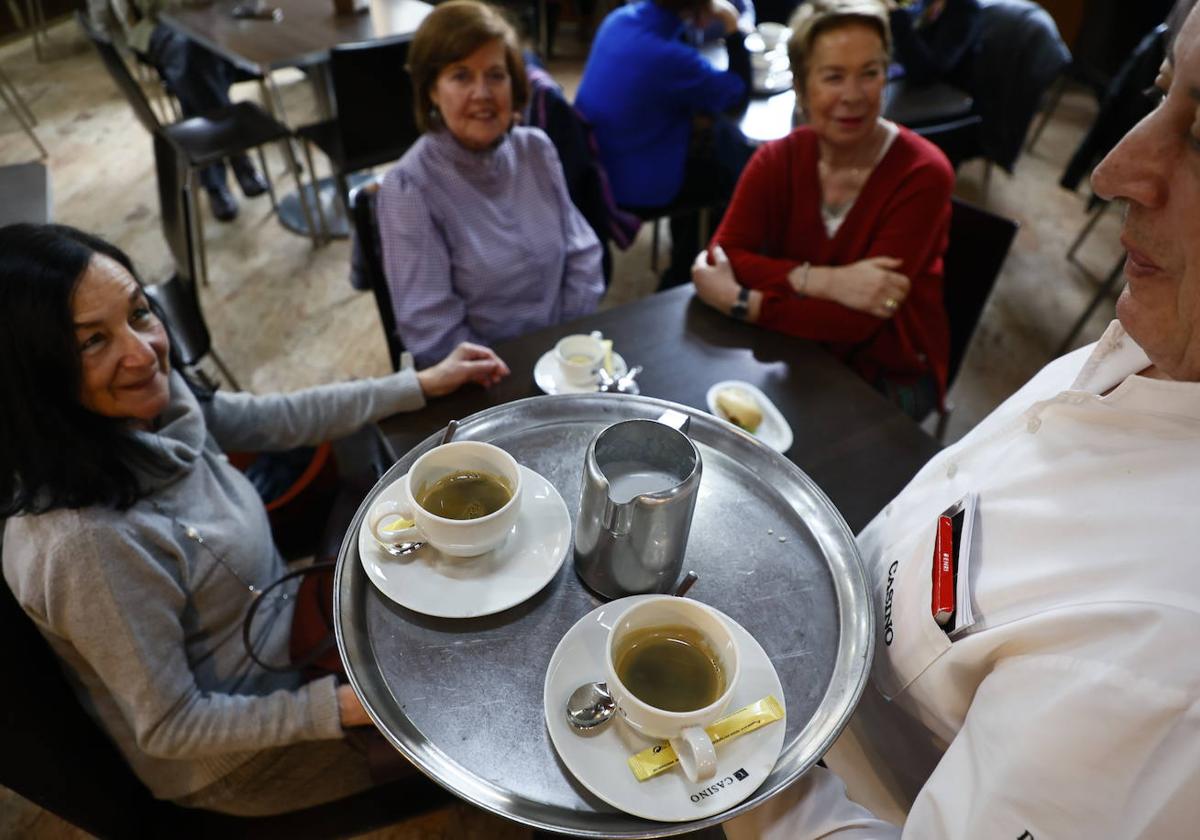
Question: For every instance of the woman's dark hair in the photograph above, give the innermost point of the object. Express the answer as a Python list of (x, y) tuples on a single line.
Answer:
[(450, 33), (54, 453)]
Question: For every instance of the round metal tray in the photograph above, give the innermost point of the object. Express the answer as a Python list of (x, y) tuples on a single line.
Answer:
[(462, 698)]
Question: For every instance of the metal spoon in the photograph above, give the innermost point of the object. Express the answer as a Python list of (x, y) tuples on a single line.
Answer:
[(625, 383), (401, 549), (590, 705)]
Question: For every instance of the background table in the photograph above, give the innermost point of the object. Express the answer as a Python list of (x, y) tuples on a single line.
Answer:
[(304, 36), (462, 698)]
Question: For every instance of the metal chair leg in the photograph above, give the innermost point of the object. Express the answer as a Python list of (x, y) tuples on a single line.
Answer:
[(13, 105), (326, 232), (1055, 95), (654, 245), (1101, 293), (262, 162), (943, 420), (290, 157), (224, 370), (1097, 212), (15, 95), (197, 222)]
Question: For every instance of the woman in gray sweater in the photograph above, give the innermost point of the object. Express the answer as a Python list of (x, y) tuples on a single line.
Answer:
[(111, 468)]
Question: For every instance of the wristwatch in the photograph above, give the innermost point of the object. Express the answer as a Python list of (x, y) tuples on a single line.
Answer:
[(741, 306)]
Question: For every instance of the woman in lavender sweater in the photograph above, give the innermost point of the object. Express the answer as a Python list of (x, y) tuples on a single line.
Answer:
[(111, 465), (480, 239)]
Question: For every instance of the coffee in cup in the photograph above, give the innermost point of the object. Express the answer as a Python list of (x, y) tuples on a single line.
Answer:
[(463, 498), (579, 358), (671, 666)]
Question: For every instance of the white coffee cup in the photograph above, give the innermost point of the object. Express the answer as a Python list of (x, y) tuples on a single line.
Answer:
[(403, 520), (684, 730), (579, 358)]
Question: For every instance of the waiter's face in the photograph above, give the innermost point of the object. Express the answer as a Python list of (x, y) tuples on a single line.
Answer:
[(1155, 170)]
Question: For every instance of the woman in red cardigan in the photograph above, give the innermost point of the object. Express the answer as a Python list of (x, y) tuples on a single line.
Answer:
[(836, 232)]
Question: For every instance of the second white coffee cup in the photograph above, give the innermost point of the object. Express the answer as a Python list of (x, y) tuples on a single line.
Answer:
[(397, 521), (684, 730), (580, 358)]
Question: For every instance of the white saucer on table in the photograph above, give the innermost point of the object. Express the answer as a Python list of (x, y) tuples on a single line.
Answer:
[(774, 430), (432, 583), (600, 761), (548, 376)]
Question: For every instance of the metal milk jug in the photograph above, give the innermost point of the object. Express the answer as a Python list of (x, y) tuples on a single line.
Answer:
[(640, 483)]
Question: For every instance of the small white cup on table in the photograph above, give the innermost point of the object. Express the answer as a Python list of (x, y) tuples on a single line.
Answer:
[(579, 358)]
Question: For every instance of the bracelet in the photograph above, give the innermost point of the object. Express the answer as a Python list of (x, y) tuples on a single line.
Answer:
[(804, 269)]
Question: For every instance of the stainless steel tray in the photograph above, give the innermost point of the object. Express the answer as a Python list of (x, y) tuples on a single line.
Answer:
[(463, 698)]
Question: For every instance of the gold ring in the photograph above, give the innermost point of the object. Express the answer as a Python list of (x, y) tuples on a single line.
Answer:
[(890, 304)]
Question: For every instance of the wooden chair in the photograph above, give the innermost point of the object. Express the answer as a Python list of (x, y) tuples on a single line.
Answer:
[(979, 244)]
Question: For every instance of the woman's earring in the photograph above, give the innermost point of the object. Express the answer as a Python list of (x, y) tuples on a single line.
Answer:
[(435, 116)]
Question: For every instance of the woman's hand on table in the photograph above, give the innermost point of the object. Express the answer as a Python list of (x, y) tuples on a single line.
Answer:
[(350, 708), (466, 363), (717, 286), (871, 285)]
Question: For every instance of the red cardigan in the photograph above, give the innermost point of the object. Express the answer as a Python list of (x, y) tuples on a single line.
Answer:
[(774, 224)]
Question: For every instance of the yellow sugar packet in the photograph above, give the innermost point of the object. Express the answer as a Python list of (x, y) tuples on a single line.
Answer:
[(654, 760)]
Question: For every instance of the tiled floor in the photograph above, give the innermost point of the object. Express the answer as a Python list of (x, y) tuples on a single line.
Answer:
[(283, 315)]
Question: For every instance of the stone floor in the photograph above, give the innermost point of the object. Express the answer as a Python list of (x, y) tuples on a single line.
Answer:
[(283, 315)]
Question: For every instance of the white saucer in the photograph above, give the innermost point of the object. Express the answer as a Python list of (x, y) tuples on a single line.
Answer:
[(548, 376), (599, 761), (774, 431), (429, 582)]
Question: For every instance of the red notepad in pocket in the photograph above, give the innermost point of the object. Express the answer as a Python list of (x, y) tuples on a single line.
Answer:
[(943, 571)]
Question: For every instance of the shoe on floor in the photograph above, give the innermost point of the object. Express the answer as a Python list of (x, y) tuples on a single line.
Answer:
[(249, 179), (224, 205)]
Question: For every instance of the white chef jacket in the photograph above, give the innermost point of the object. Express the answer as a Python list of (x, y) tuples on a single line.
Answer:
[(1070, 708)]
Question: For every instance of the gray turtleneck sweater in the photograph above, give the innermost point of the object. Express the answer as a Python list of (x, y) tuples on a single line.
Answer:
[(148, 622)]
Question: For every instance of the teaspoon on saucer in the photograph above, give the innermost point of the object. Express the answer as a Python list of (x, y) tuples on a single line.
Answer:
[(590, 705)]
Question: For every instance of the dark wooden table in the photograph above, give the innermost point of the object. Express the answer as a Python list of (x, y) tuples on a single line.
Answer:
[(304, 36), (857, 446)]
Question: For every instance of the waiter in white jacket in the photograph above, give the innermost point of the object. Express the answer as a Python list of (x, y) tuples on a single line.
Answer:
[(1070, 707)]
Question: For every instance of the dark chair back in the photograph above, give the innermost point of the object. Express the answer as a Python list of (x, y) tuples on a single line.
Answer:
[(176, 297), (979, 243), (371, 134), (368, 263), (120, 74), (958, 139), (1020, 54)]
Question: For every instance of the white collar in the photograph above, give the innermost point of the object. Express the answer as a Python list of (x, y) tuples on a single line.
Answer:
[(1112, 370)]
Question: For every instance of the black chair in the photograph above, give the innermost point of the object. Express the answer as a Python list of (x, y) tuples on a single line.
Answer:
[(176, 297), (363, 134), (958, 139), (368, 264), (978, 246), (205, 139)]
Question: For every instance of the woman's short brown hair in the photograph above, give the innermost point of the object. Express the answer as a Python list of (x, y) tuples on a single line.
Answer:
[(816, 17), (450, 33)]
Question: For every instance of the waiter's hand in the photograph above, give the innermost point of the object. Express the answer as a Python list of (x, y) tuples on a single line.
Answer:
[(725, 12), (466, 363)]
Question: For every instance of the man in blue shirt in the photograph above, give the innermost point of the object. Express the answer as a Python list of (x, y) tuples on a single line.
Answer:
[(641, 90)]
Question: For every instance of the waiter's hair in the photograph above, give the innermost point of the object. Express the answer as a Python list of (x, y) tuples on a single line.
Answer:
[(54, 453), (450, 33), (816, 17)]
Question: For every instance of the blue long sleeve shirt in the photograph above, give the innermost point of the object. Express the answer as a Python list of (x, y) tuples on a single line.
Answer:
[(640, 89)]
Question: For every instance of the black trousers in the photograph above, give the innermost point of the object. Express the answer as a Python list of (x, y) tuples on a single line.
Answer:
[(200, 80)]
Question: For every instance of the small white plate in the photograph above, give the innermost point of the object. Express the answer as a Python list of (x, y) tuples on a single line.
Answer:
[(600, 761), (774, 430), (429, 582), (548, 376)]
